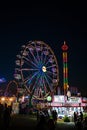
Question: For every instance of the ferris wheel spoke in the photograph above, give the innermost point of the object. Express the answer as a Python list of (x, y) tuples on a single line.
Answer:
[(52, 73), (49, 77), (44, 60), (30, 61), (38, 57), (34, 57), (50, 80), (26, 69), (48, 61), (42, 57), (47, 82), (36, 82), (44, 84), (29, 79), (40, 83), (51, 66)]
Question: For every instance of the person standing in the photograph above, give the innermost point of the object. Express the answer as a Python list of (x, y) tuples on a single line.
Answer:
[(81, 116), (6, 117)]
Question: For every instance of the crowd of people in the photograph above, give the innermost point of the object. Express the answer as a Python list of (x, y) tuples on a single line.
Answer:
[(80, 122), (44, 120)]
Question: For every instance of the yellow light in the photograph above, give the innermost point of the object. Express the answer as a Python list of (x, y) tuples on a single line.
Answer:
[(11, 99), (3, 99)]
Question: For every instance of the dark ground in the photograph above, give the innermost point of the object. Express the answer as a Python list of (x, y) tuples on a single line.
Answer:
[(23, 122)]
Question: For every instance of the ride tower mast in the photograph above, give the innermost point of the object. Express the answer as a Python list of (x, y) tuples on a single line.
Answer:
[(65, 67)]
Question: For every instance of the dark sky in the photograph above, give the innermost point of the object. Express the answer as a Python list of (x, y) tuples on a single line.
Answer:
[(49, 22)]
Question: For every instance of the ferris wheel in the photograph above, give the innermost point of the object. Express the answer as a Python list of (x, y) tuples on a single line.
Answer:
[(37, 69)]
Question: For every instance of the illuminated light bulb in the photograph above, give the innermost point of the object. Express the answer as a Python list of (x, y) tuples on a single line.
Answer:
[(44, 69)]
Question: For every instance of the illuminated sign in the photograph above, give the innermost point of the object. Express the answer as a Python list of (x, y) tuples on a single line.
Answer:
[(75, 100), (59, 98)]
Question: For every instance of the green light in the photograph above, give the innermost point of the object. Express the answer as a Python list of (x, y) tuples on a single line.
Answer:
[(49, 98)]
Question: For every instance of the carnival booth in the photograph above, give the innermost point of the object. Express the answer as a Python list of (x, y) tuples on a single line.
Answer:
[(67, 106)]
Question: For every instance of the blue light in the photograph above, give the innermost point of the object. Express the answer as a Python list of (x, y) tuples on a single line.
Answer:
[(2, 80)]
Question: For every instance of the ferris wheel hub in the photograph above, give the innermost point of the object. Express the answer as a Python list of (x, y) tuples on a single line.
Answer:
[(44, 69)]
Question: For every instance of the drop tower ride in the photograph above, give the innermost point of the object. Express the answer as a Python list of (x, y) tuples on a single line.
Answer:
[(65, 67)]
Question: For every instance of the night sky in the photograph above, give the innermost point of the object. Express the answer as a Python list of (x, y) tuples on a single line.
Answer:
[(51, 23)]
